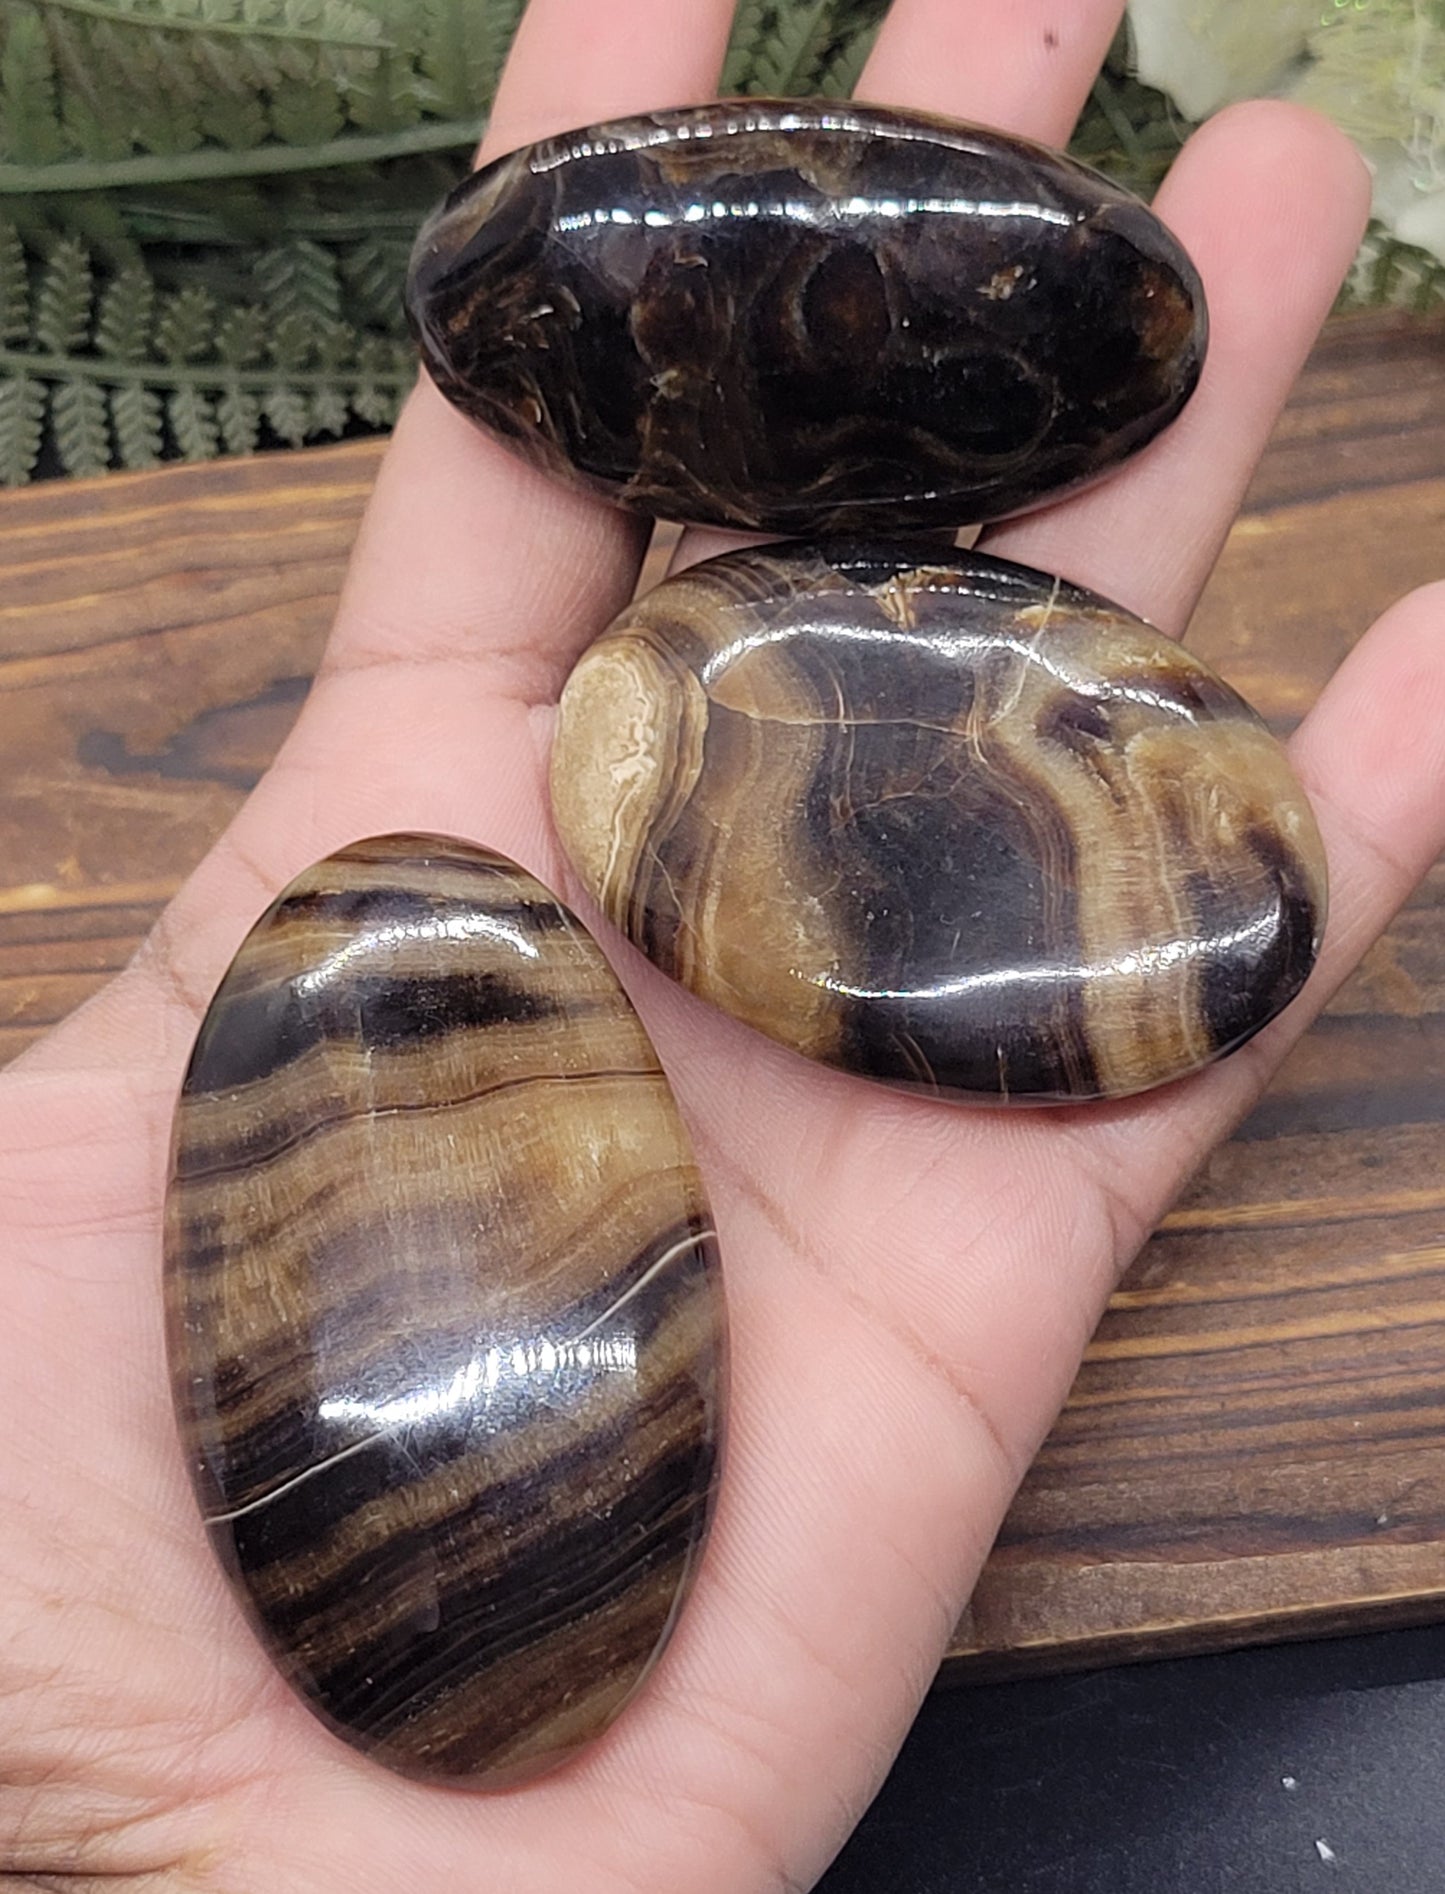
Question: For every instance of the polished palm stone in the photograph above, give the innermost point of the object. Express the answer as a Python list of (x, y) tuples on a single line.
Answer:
[(939, 820), (445, 1328), (807, 316)]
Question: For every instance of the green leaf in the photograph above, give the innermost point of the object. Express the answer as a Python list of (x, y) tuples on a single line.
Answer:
[(335, 345), (842, 71), (14, 285), (285, 410), (385, 96), (300, 279), (62, 304), (241, 337), (795, 46), (372, 273), (124, 325), (22, 418), (751, 27), (306, 113), (384, 371), (82, 433), (329, 412), (135, 414), (307, 23), (241, 124), (30, 129), (291, 340), (463, 50), (240, 417), (94, 110), (186, 325), (192, 418)]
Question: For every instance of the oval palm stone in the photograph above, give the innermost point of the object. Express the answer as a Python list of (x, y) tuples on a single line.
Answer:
[(807, 316), (445, 1327), (939, 820)]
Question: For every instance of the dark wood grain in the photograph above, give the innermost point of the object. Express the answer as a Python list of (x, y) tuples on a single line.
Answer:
[(1254, 1446)]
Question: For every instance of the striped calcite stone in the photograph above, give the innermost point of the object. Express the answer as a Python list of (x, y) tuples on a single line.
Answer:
[(445, 1326), (939, 820)]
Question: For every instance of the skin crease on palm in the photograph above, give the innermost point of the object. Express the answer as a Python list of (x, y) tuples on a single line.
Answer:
[(911, 1284)]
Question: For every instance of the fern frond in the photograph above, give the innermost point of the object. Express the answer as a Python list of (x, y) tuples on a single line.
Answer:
[(290, 342), (463, 50), (306, 113), (241, 337), (329, 413), (385, 97), (22, 428), (30, 128), (286, 413), (96, 119), (186, 325), (334, 345), (376, 396), (1388, 272), (327, 23), (14, 285), (241, 124), (373, 272), (790, 54), (135, 414), (154, 373), (752, 25), (82, 433), (239, 413), (127, 310), (300, 279), (62, 303), (192, 417), (842, 69)]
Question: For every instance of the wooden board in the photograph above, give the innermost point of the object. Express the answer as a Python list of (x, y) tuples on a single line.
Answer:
[(1256, 1444)]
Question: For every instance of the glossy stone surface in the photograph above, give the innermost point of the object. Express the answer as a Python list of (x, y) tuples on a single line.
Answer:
[(807, 316), (945, 822), (445, 1326)]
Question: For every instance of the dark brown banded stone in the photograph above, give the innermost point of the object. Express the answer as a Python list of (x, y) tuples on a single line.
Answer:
[(939, 820), (807, 316), (446, 1331)]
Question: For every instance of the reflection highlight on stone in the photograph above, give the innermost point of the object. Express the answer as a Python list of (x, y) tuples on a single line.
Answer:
[(807, 317)]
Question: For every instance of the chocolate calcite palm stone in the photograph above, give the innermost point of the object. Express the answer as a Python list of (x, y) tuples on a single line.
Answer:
[(940, 821), (444, 1319), (807, 316)]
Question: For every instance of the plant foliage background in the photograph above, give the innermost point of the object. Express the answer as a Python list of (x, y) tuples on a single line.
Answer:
[(206, 205)]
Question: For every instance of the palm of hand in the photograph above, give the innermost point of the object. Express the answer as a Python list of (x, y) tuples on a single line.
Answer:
[(911, 1284)]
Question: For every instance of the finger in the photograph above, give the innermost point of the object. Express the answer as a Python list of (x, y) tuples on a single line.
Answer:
[(1270, 201), (1022, 66), (467, 551), (1371, 755)]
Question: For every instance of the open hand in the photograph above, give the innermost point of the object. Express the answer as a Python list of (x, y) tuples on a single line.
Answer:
[(911, 1284)]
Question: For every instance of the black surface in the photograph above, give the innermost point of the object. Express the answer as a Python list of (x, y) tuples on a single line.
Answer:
[(807, 316), (1175, 1778)]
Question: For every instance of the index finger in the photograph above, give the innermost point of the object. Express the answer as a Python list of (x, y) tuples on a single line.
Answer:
[(467, 552)]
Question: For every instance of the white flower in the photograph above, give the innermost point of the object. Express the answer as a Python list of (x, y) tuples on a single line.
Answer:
[(1206, 53), (1376, 67)]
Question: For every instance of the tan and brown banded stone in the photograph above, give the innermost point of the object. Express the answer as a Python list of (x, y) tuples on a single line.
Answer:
[(807, 316), (939, 820), (445, 1325)]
